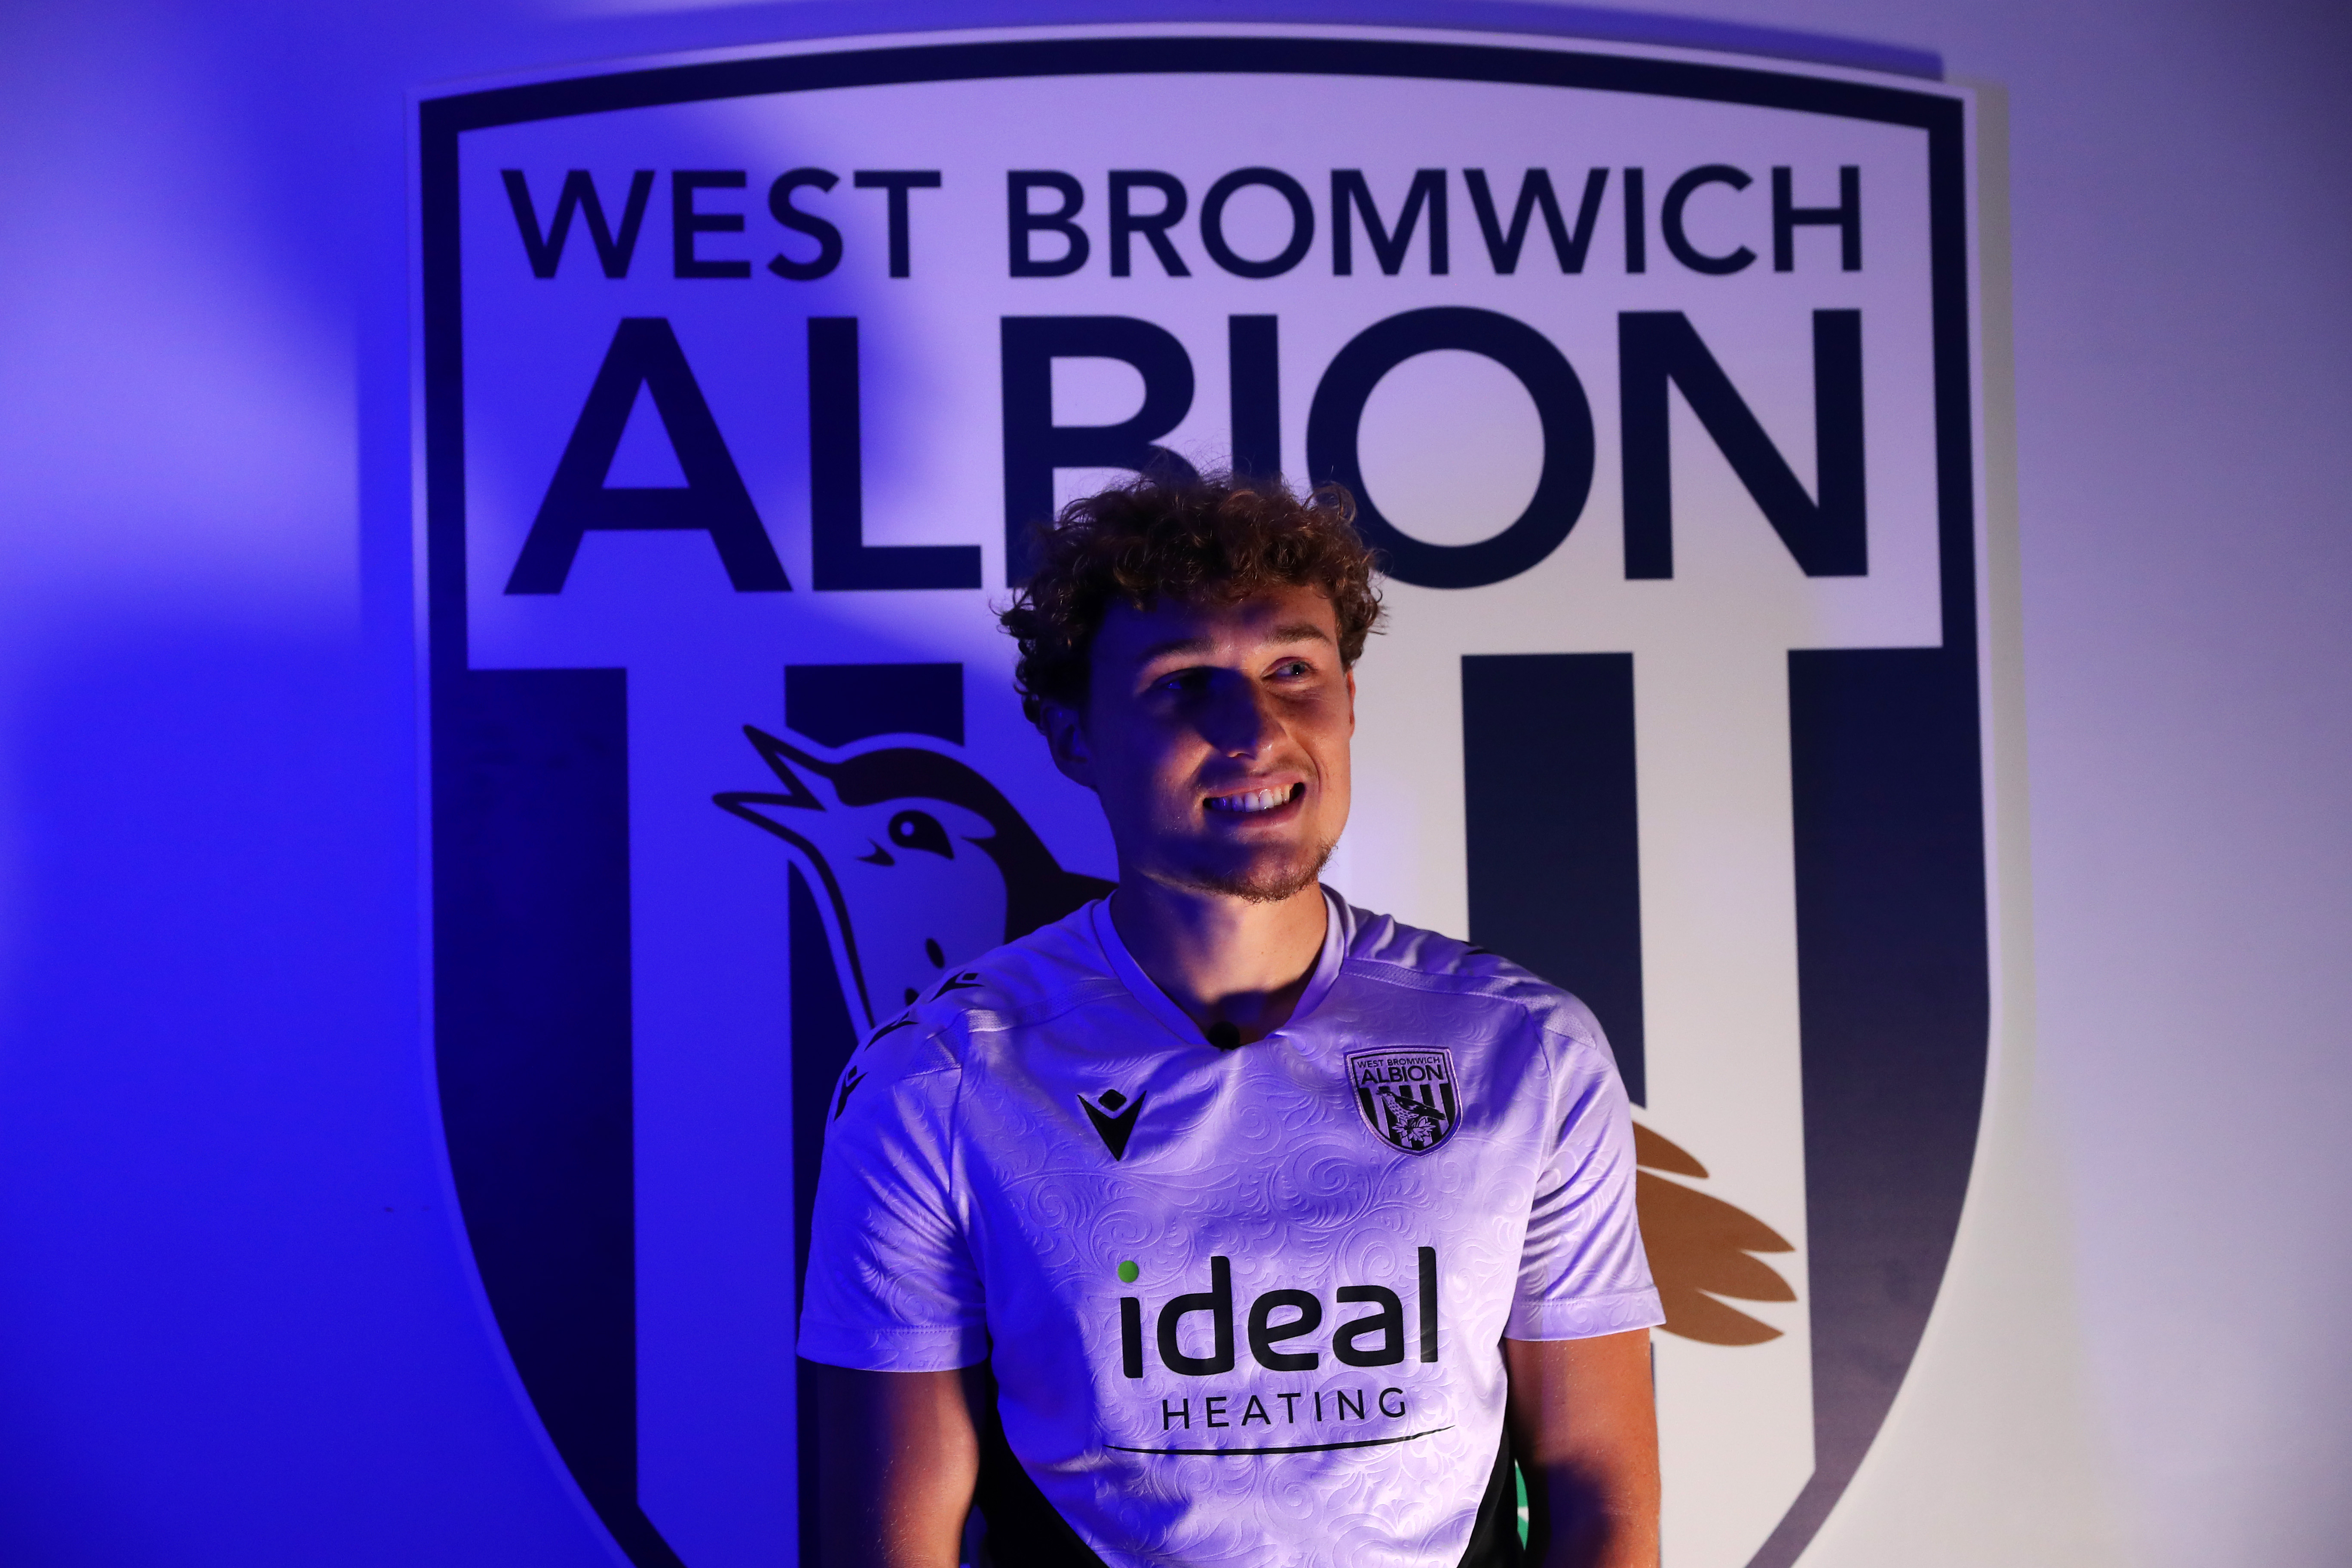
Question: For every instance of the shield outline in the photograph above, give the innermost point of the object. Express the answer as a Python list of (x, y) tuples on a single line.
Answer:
[(579, 712)]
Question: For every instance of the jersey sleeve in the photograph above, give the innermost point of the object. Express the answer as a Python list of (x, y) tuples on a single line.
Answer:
[(1582, 1271), (891, 1285)]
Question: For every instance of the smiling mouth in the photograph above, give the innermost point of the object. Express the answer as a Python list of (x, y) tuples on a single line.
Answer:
[(1249, 803)]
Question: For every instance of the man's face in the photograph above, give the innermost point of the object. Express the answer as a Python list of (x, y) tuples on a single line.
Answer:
[(1216, 736)]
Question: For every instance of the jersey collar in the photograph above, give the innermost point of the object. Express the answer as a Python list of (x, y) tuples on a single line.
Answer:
[(1338, 928)]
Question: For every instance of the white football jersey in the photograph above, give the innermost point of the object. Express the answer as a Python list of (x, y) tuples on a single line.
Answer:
[(1241, 1306)]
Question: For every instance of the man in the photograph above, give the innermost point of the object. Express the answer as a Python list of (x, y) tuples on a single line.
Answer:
[(1220, 1222)]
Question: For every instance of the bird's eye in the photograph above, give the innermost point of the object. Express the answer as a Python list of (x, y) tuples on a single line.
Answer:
[(922, 830)]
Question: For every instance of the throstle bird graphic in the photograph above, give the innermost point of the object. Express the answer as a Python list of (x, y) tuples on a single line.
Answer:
[(920, 861), (1416, 1127)]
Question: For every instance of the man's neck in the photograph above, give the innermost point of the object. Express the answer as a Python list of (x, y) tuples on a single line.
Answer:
[(1223, 960)]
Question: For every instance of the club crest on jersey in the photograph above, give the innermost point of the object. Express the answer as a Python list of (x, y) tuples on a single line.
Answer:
[(1407, 1097)]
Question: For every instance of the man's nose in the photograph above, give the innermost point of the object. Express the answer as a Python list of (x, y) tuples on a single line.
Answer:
[(1240, 721)]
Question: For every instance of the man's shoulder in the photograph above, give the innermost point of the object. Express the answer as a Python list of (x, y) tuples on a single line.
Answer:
[(1385, 950), (1027, 982)]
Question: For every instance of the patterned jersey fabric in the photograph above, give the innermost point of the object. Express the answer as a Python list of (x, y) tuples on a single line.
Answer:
[(1242, 1306)]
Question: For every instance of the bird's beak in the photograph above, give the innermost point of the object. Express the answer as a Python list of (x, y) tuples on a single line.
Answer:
[(779, 755), (756, 806)]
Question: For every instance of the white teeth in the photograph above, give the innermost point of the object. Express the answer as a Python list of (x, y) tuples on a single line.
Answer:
[(1252, 800)]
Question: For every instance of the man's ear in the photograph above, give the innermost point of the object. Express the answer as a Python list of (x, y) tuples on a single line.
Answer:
[(1065, 737)]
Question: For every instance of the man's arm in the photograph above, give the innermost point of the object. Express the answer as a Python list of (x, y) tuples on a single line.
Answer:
[(1584, 1426), (896, 1466)]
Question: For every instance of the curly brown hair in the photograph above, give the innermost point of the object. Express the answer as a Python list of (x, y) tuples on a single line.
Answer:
[(1216, 538)]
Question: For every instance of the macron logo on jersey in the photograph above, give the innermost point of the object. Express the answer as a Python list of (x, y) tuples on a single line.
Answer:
[(1116, 1125)]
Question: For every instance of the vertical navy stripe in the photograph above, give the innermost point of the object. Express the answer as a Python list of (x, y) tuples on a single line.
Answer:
[(1554, 861), (1894, 1008), (837, 704), (822, 1038), (531, 927)]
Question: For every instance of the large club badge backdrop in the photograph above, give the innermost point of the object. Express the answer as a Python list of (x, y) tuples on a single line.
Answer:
[(744, 377)]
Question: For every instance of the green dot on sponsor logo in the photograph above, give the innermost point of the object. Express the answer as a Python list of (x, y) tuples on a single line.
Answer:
[(1128, 1273)]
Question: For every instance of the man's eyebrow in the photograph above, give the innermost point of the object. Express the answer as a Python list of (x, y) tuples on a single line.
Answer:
[(1172, 645), (1296, 631), (1299, 631)]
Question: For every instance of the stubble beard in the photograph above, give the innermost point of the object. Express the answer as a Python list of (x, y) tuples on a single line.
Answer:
[(1262, 883)]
